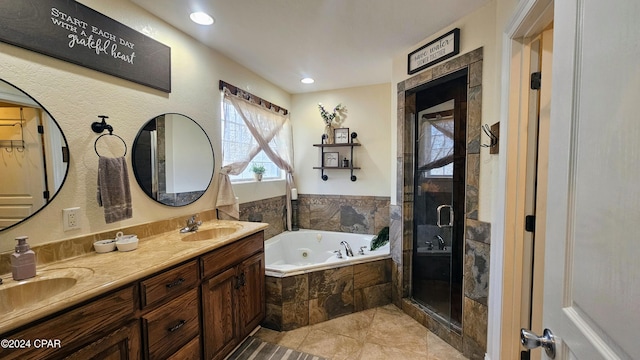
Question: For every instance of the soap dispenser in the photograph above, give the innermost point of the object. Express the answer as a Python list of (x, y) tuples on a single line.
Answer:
[(23, 260)]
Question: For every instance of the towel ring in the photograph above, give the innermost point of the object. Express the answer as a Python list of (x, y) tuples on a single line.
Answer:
[(95, 144)]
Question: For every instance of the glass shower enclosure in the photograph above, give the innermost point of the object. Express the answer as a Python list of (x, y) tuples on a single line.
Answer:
[(439, 180)]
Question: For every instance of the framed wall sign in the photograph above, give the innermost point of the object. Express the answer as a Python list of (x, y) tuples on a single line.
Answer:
[(330, 159), (440, 49), (341, 136), (73, 32)]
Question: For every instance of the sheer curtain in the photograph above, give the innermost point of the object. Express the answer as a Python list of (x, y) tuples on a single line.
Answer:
[(271, 133), (435, 142)]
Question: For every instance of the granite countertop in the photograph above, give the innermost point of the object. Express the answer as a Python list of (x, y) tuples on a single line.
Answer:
[(96, 273)]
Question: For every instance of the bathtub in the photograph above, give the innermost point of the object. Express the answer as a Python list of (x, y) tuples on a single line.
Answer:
[(298, 252)]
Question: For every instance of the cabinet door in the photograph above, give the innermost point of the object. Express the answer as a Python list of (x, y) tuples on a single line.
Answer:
[(122, 344), (251, 298), (220, 334)]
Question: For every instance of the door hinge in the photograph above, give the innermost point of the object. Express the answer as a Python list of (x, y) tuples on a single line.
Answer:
[(536, 79), (65, 154), (45, 194), (530, 223), (40, 129)]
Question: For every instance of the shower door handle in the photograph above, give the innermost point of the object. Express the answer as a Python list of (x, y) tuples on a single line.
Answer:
[(439, 211)]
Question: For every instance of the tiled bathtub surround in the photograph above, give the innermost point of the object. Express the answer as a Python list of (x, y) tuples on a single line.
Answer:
[(271, 211), (344, 213), (472, 339), (301, 300), (311, 298)]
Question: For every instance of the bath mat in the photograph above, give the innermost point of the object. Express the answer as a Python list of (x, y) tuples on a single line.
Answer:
[(256, 349)]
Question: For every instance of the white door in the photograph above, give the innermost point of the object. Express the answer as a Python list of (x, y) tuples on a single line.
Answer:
[(21, 169), (592, 251)]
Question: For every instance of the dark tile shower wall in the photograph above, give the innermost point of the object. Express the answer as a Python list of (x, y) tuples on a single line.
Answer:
[(472, 340)]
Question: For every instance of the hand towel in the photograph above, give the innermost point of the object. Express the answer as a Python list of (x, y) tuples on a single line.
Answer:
[(226, 201), (113, 189)]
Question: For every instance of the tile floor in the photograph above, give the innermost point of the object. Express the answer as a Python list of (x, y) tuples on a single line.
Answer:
[(381, 333)]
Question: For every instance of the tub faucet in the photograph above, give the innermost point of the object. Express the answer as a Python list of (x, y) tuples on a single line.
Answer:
[(347, 248), (440, 242), (192, 224)]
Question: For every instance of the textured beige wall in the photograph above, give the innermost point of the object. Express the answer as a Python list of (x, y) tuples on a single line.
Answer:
[(368, 109), (75, 95)]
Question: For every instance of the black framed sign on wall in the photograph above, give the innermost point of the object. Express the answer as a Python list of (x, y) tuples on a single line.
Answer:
[(70, 31), (440, 49)]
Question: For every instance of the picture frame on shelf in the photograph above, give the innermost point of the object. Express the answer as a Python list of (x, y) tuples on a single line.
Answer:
[(330, 159), (341, 136)]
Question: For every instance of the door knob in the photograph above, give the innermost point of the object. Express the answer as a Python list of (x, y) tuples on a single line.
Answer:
[(547, 341)]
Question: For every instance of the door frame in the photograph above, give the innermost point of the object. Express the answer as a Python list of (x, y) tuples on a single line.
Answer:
[(530, 18)]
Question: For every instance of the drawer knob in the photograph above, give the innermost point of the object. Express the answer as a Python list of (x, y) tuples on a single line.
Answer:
[(177, 326), (175, 283)]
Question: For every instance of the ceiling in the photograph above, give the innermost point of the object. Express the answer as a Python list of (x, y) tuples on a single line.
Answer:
[(339, 43)]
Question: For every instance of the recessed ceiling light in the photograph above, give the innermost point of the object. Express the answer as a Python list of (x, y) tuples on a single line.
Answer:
[(307, 80), (201, 18)]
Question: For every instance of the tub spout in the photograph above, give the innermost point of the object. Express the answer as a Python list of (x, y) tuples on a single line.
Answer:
[(347, 248)]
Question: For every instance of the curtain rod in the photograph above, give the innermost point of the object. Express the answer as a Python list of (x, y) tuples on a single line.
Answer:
[(256, 99)]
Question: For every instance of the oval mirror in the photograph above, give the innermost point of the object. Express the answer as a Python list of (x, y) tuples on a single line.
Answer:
[(33, 156), (172, 159)]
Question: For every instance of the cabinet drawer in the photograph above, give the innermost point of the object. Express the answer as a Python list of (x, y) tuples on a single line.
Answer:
[(231, 254), (191, 351), (169, 283), (171, 326), (75, 327)]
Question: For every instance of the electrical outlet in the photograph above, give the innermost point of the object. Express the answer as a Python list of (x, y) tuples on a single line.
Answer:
[(71, 219)]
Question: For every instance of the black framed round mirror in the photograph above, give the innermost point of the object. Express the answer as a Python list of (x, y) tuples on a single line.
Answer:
[(34, 156), (172, 159)]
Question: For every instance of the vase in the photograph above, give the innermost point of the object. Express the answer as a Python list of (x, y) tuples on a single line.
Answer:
[(257, 176), (328, 134)]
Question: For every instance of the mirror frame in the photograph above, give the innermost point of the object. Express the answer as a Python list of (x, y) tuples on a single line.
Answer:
[(67, 155), (138, 176)]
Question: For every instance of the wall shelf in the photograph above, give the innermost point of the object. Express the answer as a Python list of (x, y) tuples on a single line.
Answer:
[(350, 145)]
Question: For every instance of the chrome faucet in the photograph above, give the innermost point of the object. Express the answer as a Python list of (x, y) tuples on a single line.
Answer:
[(441, 243), (192, 224), (347, 248)]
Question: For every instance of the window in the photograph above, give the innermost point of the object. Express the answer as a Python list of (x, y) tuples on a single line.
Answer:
[(440, 144), (237, 142)]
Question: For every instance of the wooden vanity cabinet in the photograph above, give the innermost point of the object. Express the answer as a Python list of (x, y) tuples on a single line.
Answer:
[(105, 328), (202, 308), (233, 294)]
